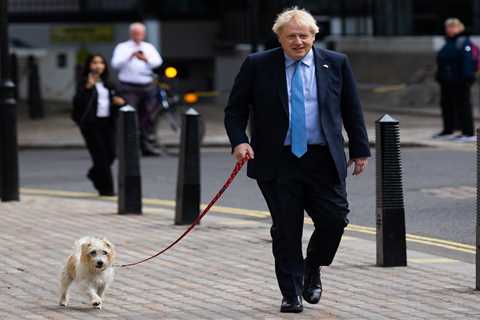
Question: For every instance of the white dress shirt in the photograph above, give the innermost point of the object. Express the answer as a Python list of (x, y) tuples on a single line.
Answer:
[(312, 114), (103, 101), (133, 70)]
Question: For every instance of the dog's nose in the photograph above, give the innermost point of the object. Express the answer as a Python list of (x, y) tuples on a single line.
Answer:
[(99, 264)]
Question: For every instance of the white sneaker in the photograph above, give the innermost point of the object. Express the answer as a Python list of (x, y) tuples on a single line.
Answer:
[(466, 139), (443, 136)]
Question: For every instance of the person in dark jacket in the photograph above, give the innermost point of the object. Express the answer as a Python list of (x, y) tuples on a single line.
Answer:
[(94, 111), (455, 74), (297, 98)]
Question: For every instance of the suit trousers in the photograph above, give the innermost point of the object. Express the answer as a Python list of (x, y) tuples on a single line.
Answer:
[(310, 184), (100, 141)]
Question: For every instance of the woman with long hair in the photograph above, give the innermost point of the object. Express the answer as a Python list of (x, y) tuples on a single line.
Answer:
[(95, 107)]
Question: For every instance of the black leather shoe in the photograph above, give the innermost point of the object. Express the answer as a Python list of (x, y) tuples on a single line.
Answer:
[(312, 285), (106, 193), (291, 305)]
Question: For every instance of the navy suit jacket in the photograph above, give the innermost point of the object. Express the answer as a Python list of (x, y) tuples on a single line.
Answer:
[(260, 94)]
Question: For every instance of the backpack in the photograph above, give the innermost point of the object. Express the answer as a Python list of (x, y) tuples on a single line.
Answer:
[(475, 55), (468, 45)]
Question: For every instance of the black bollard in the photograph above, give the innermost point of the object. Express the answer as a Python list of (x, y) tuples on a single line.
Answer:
[(390, 213), (8, 117), (477, 258), (129, 177), (14, 73), (8, 143), (35, 101), (187, 205)]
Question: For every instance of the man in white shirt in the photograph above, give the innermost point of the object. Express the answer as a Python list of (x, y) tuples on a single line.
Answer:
[(134, 60)]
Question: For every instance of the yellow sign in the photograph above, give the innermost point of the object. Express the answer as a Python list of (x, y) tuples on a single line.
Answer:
[(92, 33)]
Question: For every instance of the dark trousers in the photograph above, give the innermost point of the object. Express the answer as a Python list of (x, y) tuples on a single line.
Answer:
[(308, 184), (143, 99), (100, 141), (457, 108)]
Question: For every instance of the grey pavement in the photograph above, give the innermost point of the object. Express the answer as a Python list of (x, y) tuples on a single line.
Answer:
[(222, 270), (57, 130)]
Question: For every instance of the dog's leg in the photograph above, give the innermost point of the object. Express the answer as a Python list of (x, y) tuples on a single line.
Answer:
[(94, 298), (65, 282), (101, 290)]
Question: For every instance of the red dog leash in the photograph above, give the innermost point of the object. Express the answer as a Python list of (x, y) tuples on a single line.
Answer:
[(233, 174)]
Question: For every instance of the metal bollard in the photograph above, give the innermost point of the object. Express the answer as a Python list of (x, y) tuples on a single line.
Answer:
[(187, 205), (9, 189), (477, 253), (390, 212), (35, 101), (129, 177)]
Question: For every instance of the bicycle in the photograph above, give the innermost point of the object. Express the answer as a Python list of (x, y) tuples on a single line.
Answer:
[(171, 104)]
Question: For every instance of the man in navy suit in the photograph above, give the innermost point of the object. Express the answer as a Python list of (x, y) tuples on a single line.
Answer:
[(297, 97)]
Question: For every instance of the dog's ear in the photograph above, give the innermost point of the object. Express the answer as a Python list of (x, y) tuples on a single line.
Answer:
[(107, 243), (84, 251), (86, 245), (111, 248)]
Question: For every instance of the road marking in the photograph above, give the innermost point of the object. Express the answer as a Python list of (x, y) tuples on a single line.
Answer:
[(389, 88), (58, 193), (431, 260), (451, 245), (460, 192)]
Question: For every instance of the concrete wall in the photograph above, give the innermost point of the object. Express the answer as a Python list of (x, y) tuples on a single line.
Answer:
[(58, 84), (392, 60), (38, 35), (389, 60), (190, 44)]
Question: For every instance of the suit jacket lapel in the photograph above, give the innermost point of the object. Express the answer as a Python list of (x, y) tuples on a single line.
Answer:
[(322, 76), (282, 80)]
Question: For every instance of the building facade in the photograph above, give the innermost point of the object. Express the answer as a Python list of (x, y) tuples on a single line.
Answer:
[(207, 39)]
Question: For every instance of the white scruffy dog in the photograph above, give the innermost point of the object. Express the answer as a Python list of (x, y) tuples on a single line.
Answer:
[(91, 267)]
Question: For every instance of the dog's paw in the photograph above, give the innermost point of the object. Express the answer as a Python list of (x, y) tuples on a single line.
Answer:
[(63, 303), (97, 304)]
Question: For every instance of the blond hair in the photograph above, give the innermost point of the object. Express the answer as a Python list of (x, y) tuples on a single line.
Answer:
[(454, 22), (300, 16)]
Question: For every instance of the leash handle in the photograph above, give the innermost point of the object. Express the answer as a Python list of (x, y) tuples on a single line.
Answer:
[(228, 182)]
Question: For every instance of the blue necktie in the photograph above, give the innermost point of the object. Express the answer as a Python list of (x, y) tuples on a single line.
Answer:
[(298, 123)]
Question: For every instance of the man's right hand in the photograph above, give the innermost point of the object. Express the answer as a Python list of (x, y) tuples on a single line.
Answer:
[(241, 150)]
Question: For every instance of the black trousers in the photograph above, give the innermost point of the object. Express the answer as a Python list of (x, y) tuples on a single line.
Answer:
[(457, 108), (308, 184), (100, 141)]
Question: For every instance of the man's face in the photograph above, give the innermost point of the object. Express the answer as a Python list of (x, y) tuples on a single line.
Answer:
[(137, 34), (296, 40)]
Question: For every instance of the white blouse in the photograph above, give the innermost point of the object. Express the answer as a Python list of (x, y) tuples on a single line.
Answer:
[(103, 101)]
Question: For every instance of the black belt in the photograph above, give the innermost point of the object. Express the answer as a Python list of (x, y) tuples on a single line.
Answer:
[(138, 85), (310, 146)]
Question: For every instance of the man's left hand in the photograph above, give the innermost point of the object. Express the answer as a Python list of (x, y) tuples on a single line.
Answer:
[(360, 165)]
